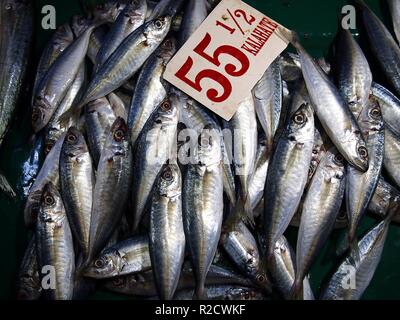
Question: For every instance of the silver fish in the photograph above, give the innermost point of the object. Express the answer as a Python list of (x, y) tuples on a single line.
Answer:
[(283, 269), (167, 238), (155, 147), (242, 248), (127, 257), (289, 64), (385, 198), (268, 101), (127, 59), (283, 191), (360, 186), (320, 210), (371, 247), (195, 14), (332, 111), (165, 7), (203, 207), (77, 183), (395, 12), (131, 18), (150, 89), (54, 244), (112, 187), (49, 172), (382, 45), (354, 77)]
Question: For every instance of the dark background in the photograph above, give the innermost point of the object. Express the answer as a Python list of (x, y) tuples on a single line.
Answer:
[(315, 21)]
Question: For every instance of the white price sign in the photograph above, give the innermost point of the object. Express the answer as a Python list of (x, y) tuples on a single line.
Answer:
[(224, 59)]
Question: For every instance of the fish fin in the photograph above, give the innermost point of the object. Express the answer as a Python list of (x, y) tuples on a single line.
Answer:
[(6, 187), (296, 292), (240, 212)]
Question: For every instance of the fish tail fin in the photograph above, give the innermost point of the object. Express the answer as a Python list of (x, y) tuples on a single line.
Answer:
[(240, 212), (6, 187), (296, 292)]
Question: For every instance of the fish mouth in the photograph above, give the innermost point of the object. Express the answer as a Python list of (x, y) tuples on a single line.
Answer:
[(360, 164)]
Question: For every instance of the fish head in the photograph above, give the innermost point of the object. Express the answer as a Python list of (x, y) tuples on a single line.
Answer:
[(167, 49), (63, 37), (119, 131), (168, 111), (135, 9), (32, 206), (371, 119), (334, 165), (157, 29), (301, 125), (107, 12), (74, 143), (15, 5), (106, 265), (359, 151), (51, 205), (40, 113), (170, 182)]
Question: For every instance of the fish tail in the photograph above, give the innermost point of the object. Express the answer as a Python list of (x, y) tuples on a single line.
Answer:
[(199, 293), (6, 187), (296, 292), (240, 212)]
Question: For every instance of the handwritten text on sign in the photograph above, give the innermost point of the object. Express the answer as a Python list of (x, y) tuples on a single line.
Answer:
[(223, 60)]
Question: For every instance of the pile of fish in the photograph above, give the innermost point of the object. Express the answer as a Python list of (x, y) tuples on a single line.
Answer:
[(144, 192)]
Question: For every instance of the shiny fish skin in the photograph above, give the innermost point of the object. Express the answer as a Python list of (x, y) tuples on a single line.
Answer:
[(332, 111), (242, 248), (394, 6), (257, 181), (127, 257), (60, 40), (195, 14), (283, 268), (167, 238), (77, 183), (385, 198), (142, 284), (55, 128), (203, 208), (28, 285), (390, 106), (112, 187), (371, 247), (244, 132), (165, 7), (320, 210), (156, 146), (127, 59), (382, 44), (131, 18), (58, 80), (354, 77), (268, 101), (318, 154), (287, 175), (392, 155), (289, 64), (151, 89), (360, 186), (49, 172), (54, 244)]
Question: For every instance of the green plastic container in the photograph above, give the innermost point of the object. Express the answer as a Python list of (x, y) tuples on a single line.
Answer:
[(316, 22)]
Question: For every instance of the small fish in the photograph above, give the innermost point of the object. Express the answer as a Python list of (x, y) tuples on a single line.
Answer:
[(394, 6), (385, 198), (195, 14), (391, 158), (287, 175), (54, 244), (127, 257)]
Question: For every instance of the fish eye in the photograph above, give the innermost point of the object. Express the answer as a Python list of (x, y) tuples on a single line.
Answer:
[(49, 200), (247, 296), (260, 278), (158, 23), (339, 160), (363, 152), (342, 215), (375, 113), (35, 116), (315, 151), (71, 138), (99, 263), (166, 106), (8, 6), (119, 135), (299, 118), (135, 2), (167, 175)]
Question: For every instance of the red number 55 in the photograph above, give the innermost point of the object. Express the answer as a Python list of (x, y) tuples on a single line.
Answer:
[(230, 69)]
